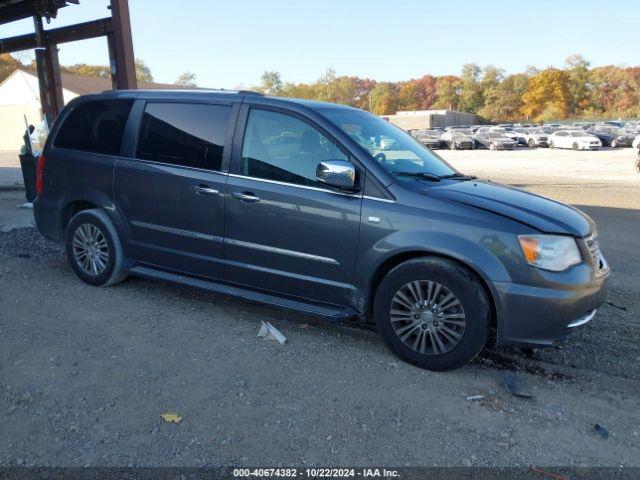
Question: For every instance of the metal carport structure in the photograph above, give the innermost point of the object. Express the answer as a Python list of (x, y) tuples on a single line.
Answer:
[(117, 29)]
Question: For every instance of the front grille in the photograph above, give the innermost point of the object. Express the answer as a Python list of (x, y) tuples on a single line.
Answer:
[(598, 261)]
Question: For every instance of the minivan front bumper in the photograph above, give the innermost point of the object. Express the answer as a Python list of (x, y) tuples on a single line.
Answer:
[(531, 316)]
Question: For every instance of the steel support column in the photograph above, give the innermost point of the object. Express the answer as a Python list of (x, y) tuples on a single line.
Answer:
[(121, 59)]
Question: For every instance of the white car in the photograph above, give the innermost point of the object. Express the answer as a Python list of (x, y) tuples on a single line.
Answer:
[(575, 139), (534, 137)]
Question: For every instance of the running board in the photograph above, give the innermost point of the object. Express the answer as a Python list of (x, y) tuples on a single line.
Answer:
[(332, 313)]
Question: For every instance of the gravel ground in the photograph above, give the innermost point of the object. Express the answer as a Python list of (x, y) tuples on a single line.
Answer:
[(86, 372)]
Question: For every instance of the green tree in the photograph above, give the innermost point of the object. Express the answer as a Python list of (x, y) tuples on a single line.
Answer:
[(143, 72), (503, 100), (86, 70), (271, 83), (578, 70), (471, 91), (447, 92), (384, 99), (186, 79)]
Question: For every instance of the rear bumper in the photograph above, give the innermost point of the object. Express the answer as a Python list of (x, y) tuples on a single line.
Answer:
[(537, 317)]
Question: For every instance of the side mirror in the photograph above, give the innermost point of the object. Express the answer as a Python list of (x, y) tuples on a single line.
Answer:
[(337, 173)]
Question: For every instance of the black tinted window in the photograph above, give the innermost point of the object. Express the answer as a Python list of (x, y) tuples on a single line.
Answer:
[(95, 126), (281, 147), (189, 135)]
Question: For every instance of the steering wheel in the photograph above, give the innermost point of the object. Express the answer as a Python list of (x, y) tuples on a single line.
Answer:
[(380, 157)]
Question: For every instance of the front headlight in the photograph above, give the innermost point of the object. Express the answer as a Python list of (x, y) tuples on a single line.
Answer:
[(550, 252)]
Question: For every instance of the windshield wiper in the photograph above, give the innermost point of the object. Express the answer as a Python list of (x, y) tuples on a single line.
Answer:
[(423, 175), (459, 176)]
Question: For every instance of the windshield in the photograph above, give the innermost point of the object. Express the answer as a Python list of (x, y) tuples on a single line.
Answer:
[(387, 144), (578, 134)]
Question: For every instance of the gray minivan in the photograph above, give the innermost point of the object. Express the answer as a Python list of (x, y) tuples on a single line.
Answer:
[(314, 207)]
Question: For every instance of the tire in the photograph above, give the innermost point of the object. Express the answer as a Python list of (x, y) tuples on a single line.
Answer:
[(94, 228), (575, 146), (492, 147), (453, 279), (614, 144), (452, 146), (532, 143), (638, 162), (551, 145)]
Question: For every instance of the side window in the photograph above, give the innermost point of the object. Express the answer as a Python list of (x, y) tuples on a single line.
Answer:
[(283, 148), (183, 134), (95, 126)]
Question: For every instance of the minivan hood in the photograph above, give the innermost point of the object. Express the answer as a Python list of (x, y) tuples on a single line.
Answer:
[(541, 213)]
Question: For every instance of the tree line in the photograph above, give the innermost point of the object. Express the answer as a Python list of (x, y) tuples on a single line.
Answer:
[(576, 90), (573, 91), (8, 65)]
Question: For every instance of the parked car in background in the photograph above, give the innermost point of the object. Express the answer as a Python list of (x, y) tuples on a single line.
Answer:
[(534, 137), (613, 123), (554, 127), (495, 140), (574, 139), (429, 138), (610, 136), (458, 138), (196, 188), (632, 127), (582, 125)]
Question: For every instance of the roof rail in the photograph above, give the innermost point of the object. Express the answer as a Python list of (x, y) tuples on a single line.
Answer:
[(181, 90)]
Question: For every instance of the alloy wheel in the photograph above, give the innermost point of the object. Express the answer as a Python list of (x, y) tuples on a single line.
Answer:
[(90, 249), (427, 317)]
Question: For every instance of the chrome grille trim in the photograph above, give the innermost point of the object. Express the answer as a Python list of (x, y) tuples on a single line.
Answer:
[(593, 246)]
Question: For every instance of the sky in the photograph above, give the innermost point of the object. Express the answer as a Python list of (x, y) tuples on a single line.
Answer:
[(228, 44)]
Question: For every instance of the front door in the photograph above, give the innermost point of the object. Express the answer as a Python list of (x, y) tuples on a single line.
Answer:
[(285, 232), (172, 190)]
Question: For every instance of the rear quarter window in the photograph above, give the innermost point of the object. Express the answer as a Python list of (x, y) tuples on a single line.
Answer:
[(95, 126)]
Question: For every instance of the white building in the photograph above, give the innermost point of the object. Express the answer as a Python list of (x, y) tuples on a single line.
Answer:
[(20, 96)]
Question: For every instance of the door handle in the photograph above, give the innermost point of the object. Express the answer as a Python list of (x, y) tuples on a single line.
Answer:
[(204, 190), (245, 197)]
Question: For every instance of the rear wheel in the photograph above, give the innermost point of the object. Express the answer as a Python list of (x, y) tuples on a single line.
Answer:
[(492, 146), (532, 143), (453, 146), (93, 248), (614, 143), (551, 145), (575, 146), (432, 313)]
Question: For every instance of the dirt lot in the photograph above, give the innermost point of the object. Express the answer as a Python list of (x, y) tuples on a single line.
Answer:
[(86, 372)]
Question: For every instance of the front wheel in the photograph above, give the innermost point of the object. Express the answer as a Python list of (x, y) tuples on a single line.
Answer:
[(575, 146), (614, 144), (551, 145), (532, 143), (432, 313), (453, 146), (93, 248), (492, 146)]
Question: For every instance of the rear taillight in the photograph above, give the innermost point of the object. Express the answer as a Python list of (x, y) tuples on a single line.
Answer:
[(39, 173)]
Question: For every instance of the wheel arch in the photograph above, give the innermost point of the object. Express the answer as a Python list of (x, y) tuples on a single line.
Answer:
[(396, 259), (76, 202)]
